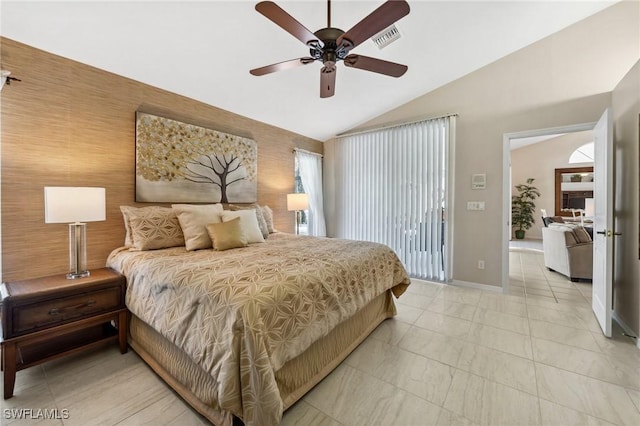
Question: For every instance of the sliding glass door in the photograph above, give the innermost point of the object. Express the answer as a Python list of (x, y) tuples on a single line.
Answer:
[(392, 187)]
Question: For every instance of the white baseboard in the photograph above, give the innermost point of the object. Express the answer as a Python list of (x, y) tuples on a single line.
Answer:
[(427, 281), (526, 249), (469, 284)]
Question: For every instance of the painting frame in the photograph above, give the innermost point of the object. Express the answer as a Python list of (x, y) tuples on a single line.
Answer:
[(178, 162)]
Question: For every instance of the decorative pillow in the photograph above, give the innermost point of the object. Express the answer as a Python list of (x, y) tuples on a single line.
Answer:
[(193, 220), (128, 240), (150, 228), (581, 234), (227, 235), (248, 223), (570, 238), (268, 218), (552, 219), (262, 223)]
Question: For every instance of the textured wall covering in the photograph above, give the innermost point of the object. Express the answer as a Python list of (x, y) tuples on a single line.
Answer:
[(69, 124)]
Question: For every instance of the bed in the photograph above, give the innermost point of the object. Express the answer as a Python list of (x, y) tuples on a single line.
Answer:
[(245, 333)]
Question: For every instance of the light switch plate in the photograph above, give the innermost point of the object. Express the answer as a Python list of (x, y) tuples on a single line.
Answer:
[(475, 205)]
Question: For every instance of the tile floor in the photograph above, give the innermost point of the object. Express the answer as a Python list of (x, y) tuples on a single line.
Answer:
[(452, 356)]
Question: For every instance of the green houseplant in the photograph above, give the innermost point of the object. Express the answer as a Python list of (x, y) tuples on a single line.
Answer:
[(523, 207)]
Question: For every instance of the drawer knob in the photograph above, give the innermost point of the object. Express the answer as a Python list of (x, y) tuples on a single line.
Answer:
[(56, 311)]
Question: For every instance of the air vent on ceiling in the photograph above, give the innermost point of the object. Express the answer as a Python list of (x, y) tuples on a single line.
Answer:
[(386, 36)]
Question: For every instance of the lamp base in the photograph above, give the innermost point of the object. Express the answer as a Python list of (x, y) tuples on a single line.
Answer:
[(76, 275), (77, 251)]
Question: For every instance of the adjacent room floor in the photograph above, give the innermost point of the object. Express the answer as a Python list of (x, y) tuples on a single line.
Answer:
[(452, 356), (528, 277)]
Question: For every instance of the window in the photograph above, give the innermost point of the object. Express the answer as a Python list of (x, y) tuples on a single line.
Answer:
[(584, 154), (392, 187), (303, 226), (309, 180)]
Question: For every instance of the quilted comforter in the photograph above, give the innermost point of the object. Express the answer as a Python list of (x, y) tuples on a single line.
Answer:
[(241, 314)]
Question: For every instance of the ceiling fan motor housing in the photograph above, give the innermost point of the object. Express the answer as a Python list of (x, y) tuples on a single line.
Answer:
[(331, 52)]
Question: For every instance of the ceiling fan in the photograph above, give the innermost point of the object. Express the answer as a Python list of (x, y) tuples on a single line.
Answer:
[(331, 45)]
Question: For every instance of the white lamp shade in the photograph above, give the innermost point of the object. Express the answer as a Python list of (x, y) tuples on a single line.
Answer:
[(297, 202), (65, 204)]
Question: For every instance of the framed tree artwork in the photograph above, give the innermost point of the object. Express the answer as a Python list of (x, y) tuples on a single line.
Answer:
[(185, 163)]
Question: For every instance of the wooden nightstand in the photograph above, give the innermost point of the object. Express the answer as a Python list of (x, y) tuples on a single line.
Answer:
[(45, 318)]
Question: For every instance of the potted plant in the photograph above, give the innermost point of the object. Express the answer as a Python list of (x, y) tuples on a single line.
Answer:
[(523, 207), (576, 178)]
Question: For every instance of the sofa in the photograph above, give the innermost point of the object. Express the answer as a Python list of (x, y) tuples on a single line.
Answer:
[(568, 250)]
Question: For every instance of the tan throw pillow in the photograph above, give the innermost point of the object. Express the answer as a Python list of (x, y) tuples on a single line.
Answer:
[(268, 218), (151, 228), (248, 223), (581, 234), (556, 219), (262, 224), (227, 235), (193, 220)]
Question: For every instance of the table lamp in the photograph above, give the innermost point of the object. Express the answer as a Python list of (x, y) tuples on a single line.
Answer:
[(75, 205), (297, 202)]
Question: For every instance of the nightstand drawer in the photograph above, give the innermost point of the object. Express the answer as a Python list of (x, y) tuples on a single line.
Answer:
[(49, 313)]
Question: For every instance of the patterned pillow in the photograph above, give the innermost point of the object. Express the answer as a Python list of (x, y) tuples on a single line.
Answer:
[(262, 223), (227, 235), (150, 228), (128, 240), (268, 218), (193, 219)]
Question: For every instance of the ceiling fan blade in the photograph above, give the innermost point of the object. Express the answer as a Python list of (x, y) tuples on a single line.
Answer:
[(376, 21), (287, 22), (375, 65), (281, 66), (327, 80)]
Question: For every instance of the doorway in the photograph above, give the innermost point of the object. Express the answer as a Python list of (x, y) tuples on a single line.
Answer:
[(545, 181)]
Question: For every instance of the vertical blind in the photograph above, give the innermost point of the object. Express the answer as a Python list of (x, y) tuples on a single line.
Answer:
[(392, 187)]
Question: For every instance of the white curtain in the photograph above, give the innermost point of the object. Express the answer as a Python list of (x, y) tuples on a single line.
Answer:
[(310, 170), (392, 187)]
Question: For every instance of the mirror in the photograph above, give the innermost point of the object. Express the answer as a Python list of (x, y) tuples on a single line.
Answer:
[(573, 186)]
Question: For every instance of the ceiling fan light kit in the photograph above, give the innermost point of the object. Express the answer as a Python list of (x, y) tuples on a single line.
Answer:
[(331, 45)]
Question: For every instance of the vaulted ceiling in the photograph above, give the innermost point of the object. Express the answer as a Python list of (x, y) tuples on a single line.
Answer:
[(205, 49)]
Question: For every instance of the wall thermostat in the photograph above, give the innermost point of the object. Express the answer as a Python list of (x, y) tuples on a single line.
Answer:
[(479, 181)]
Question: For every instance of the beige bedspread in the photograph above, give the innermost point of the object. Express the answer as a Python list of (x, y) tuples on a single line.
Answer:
[(241, 314)]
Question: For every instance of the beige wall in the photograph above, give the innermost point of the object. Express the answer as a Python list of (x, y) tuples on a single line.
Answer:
[(539, 161), (564, 79), (626, 134), (69, 124)]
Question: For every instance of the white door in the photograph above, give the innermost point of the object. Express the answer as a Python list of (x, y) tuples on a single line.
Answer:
[(603, 222)]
